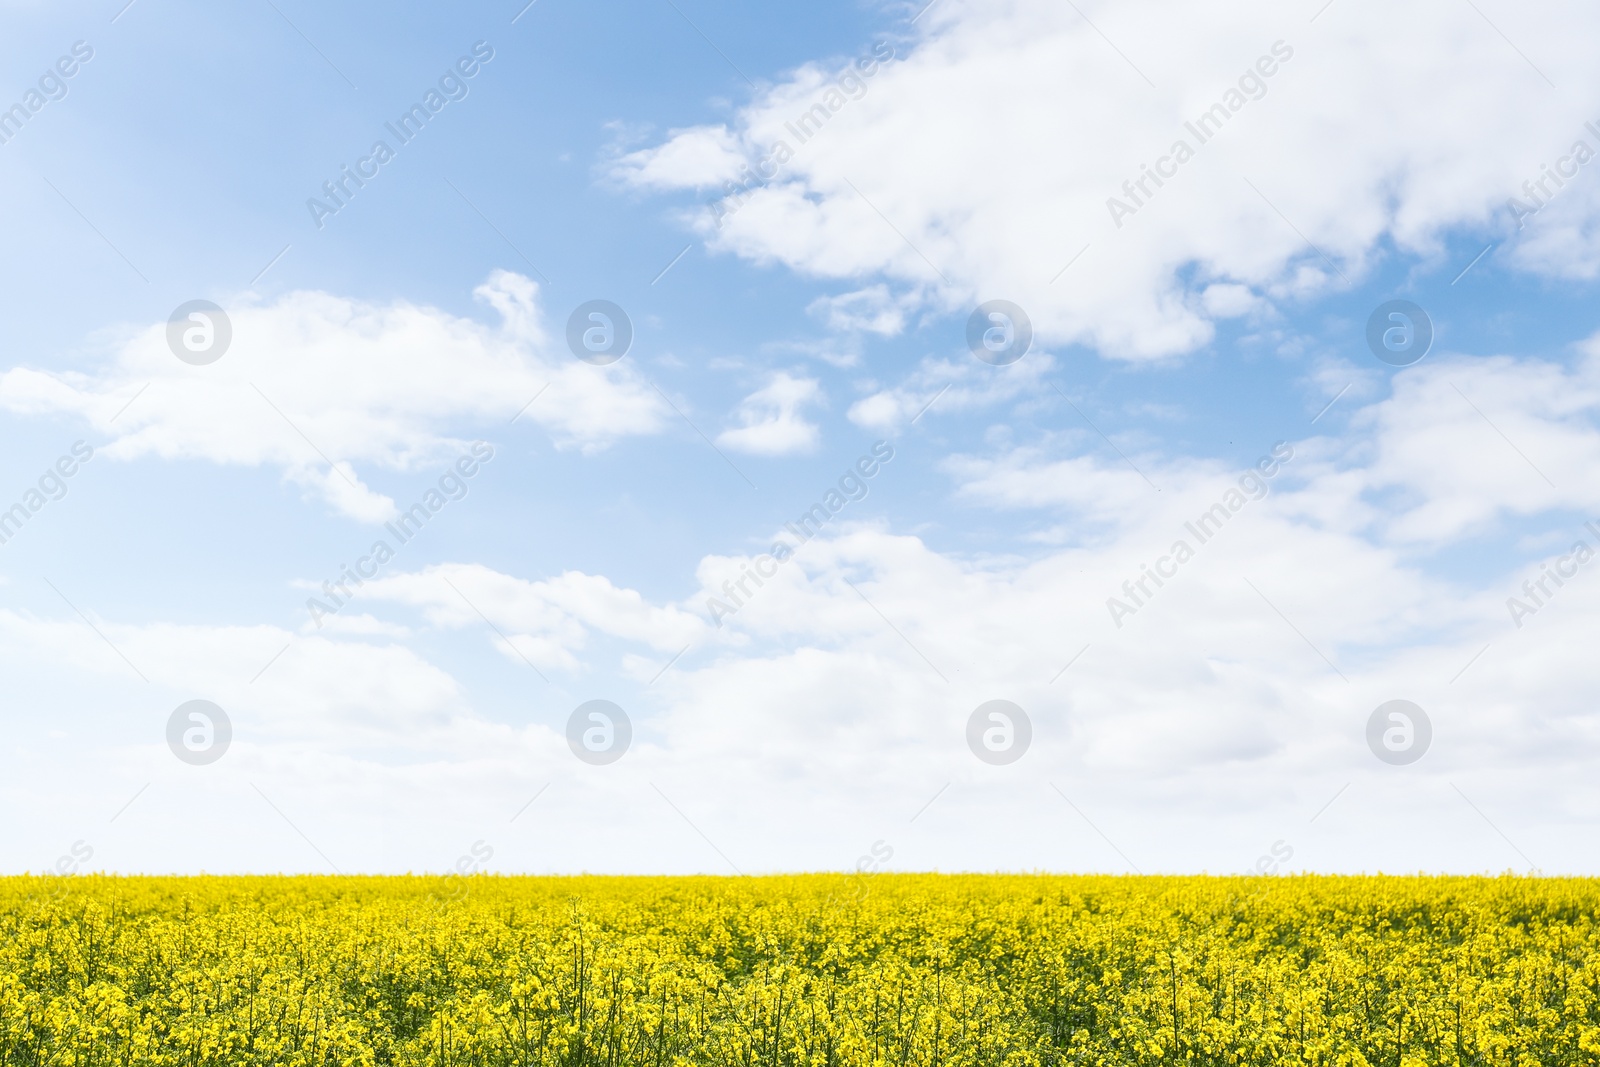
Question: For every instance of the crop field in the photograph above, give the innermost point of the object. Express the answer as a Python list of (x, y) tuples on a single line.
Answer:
[(799, 970)]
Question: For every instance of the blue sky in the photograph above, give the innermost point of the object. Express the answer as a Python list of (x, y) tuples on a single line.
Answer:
[(1173, 348)]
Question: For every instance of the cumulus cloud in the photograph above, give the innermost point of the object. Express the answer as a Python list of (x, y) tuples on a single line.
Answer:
[(317, 384), (1009, 140), (1303, 604), (1217, 715), (771, 420), (1467, 442), (698, 156), (950, 385), (275, 685), (547, 622), (871, 310)]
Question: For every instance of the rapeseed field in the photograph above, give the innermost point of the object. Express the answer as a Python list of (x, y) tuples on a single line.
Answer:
[(824, 970)]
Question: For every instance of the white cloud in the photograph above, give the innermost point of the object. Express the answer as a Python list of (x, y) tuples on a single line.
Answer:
[(771, 419), (1097, 496), (314, 378), (355, 624), (704, 155), (951, 385), (276, 686), (871, 310), (982, 160), (1218, 717), (1229, 301), (549, 621), (1465, 443), (1205, 674)]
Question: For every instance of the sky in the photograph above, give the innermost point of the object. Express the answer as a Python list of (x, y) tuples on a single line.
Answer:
[(671, 436)]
